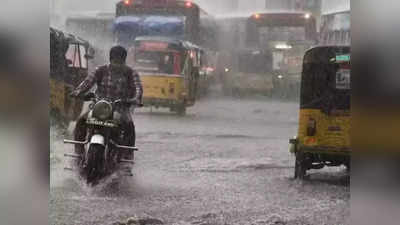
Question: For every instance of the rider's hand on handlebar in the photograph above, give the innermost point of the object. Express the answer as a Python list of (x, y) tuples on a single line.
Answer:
[(74, 93), (132, 101), (129, 102), (118, 101), (124, 102)]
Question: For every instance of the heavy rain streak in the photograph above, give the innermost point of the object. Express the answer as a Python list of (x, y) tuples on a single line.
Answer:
[(240, 111)]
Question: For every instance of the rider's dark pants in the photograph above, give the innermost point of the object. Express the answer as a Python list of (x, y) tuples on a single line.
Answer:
[(127, 125)]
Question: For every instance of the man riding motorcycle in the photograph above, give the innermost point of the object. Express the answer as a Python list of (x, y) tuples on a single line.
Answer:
[(115, 81)]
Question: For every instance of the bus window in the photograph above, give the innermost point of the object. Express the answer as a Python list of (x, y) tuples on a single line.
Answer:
[(282, 33)]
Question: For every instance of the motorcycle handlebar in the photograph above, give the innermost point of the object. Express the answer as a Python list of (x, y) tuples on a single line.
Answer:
[(93, 97), (86, 97), (130, 103)]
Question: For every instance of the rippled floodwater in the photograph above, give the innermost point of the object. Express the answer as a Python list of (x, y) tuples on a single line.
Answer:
[(226, 162)]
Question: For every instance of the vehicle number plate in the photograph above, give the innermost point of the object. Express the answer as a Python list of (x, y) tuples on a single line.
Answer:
[(343, 79)]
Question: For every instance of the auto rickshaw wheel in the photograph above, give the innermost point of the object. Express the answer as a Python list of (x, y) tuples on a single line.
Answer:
[(181, 110), (300, 168)]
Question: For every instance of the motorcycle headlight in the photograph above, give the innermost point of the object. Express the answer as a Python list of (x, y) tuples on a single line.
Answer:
[(102, 110)]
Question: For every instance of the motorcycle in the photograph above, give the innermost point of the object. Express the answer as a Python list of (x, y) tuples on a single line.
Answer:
[(103, 151)]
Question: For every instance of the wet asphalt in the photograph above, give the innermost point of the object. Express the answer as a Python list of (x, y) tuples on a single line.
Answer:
[(225, 162)]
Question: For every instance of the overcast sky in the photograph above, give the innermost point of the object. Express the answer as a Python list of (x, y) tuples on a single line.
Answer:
[(211, 6)]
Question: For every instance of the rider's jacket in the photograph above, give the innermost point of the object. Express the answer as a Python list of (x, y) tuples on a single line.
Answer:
[(114, 82)]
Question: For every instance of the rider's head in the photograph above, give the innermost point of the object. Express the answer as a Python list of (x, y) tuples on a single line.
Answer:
[(118, 55)]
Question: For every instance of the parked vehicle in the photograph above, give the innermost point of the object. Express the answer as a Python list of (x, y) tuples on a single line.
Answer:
[(69, 56), (323, 137)]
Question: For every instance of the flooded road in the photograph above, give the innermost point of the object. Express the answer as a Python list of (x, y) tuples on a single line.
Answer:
[(226, 162)]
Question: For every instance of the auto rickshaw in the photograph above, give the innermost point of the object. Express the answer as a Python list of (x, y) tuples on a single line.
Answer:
[(169, 70), (324, 122), (69, 57)]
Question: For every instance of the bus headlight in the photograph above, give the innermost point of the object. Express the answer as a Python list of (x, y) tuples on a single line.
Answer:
[(283, 46)]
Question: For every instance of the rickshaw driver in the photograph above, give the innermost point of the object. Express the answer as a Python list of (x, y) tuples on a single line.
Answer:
[(114, 81), (167, 64)]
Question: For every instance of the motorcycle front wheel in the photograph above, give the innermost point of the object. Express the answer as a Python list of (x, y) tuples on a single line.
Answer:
[(95, 159)]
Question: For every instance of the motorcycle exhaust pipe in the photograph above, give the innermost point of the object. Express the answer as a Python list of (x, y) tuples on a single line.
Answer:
[(73, 156), (124, 146), (127, 161)]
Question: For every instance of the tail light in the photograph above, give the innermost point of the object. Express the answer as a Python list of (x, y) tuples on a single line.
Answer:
[(311, 127), (256, 16), (188, 4)]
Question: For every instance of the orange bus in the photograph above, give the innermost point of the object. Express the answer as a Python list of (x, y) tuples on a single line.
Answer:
[(262, 52)]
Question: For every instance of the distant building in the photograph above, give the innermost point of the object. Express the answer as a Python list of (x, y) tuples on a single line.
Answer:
[(331, 6)]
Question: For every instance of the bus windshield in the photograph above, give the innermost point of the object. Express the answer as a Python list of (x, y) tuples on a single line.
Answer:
[(127, 28), (157, 62), (157, 18), (281, 33), (254, 62)]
